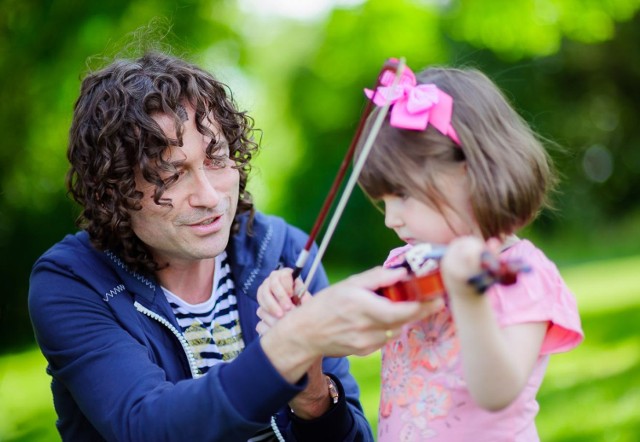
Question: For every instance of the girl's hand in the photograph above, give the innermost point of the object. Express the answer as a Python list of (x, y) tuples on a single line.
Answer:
[(497, 360), (463, 261), (274, 297)]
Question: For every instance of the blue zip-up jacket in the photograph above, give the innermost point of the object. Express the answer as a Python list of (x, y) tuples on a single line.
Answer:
[(120, 365)]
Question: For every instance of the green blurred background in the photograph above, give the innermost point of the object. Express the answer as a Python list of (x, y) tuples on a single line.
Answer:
[(571, 67)]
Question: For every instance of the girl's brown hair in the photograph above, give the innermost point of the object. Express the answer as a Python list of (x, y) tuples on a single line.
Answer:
[(509, 170)]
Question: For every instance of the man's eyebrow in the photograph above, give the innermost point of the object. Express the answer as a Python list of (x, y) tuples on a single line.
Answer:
[(176, 163)]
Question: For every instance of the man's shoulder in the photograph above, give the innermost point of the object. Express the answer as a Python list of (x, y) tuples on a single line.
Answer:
[(71, 248), (76, 255), (70, 260)]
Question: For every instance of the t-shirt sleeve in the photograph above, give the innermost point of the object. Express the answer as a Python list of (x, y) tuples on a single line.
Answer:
[(540, 295)]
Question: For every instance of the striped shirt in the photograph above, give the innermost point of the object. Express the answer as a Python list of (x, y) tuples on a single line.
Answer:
[(212, 328)]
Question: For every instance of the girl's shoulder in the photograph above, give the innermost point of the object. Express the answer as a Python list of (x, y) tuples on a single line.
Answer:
[(526, 250), (539, 295)]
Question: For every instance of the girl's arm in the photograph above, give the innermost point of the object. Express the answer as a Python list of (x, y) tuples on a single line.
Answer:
[(497, 362)]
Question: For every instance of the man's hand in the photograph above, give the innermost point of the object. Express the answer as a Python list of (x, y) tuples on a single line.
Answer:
[(343, 319), (274, 297)]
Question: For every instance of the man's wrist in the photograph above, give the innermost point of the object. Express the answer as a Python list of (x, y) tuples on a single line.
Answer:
[(337, 423), (306, 407), (284, 346)]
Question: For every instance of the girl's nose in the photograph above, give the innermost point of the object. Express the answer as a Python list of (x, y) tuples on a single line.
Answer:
[(392, 218)]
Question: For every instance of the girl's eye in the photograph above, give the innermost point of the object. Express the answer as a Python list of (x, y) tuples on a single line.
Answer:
[(401, 194)]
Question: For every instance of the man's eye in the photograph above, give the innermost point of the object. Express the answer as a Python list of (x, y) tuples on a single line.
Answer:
[(217, 162), (172, 178)]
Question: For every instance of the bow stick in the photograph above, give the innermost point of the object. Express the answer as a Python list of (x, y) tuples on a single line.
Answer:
[(357, 168)]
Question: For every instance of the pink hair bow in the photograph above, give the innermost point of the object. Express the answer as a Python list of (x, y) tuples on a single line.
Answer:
[(415, 106)]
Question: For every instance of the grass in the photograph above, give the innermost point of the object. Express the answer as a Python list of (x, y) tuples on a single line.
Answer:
[(589, 394), (26, 405)]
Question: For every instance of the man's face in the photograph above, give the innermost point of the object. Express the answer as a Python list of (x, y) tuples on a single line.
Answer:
[(204, 200)]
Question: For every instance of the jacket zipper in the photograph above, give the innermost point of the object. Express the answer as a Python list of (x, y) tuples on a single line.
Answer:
[(195, 373), (276, 429)]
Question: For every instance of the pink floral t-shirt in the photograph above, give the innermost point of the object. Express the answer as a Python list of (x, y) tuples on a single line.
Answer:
[(424, 396)]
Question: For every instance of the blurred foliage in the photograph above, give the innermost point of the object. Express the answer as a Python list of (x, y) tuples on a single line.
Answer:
[(569, 66)]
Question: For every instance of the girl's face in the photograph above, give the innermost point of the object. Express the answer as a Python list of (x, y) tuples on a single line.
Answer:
[(415, 221)]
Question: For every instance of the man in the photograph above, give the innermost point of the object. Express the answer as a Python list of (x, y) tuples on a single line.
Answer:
[(147, 316)]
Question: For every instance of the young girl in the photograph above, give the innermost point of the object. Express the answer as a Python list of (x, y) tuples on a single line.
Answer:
[(455, 165)]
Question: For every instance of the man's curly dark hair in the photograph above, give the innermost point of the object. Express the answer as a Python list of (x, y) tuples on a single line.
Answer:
[(113, 134)]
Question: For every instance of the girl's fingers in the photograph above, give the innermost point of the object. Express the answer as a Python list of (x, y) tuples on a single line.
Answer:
[(267, 301), (262, 328), (282, 288), (274, 294), (265, 317)]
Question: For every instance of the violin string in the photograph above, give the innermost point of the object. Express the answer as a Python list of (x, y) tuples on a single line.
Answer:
[(353, 178)]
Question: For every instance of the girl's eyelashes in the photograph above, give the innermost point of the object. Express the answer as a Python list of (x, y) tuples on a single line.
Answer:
[(395, 194)]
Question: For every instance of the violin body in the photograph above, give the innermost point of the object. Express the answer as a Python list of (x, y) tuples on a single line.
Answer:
[(416, 288), (424, 282)]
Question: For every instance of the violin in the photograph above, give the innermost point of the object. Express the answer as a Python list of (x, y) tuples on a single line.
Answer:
[(424, 280)]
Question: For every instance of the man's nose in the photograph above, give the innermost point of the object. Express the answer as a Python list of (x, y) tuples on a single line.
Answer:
[(204, 192)]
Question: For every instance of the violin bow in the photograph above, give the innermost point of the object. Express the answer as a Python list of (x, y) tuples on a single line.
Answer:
[(397, 67)]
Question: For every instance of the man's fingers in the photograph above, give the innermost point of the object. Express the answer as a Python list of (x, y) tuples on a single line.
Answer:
[(378, 277)]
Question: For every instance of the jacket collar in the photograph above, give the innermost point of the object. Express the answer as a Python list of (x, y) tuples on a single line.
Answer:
[(253, 257), (137, 283)]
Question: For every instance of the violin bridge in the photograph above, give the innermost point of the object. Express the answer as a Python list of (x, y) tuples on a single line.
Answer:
[(423, 258)]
